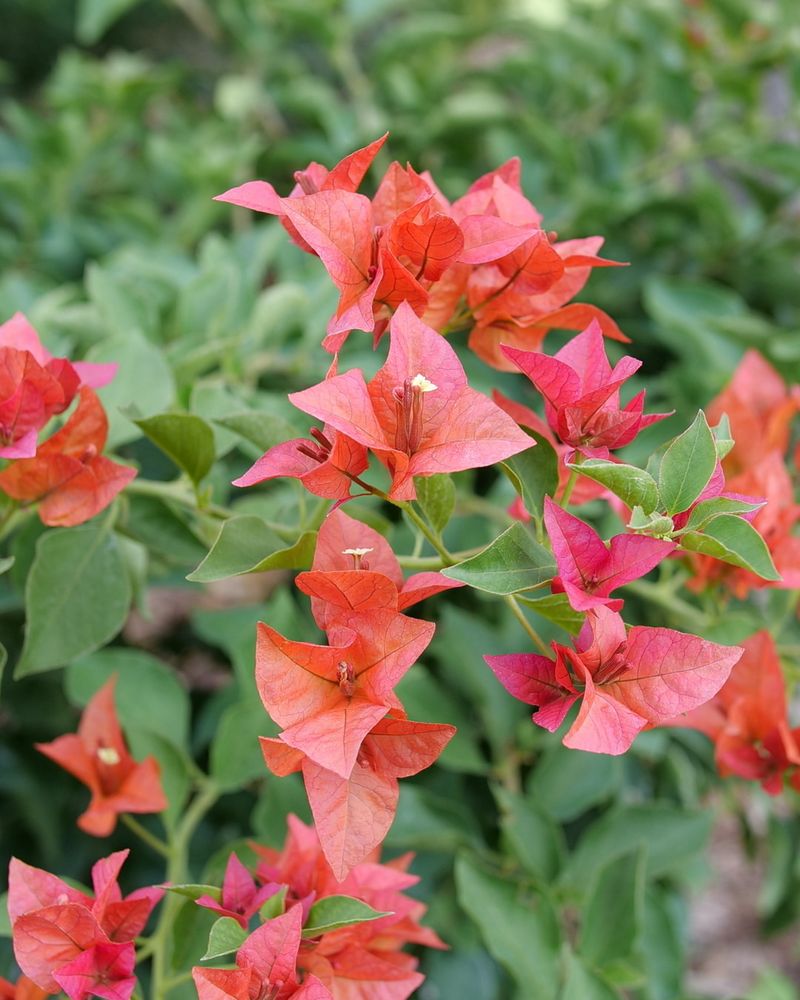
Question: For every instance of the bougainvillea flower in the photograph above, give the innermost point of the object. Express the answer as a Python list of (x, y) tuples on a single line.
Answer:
[(624, 681), (581, 393), (352, 814), (266, 966), (328, 698), (747, 720), (347, 545), (418, 414), (68, 940), (98, 756), (760, 409), (325, 466), (588, 570), (23, 989), (17, 332), (29, 396), (69, 477), (240, 898)]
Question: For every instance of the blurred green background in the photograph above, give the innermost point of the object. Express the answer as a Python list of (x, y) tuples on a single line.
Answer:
[(672, 128)]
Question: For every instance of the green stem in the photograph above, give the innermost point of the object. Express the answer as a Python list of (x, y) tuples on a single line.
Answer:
[(666, 599), (512, 602), (175, 492), (573, 478), (177, 873), (144, 834), (435, 562), (432, 536)]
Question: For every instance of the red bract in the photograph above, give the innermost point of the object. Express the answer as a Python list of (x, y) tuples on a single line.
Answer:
[(625, 681), (760, 409), (64, 939), (325, 466), (17, 332), (329, 697), (241, 898), (588, 571), (29, 396), (353, 813), (98, 756), (69, 477), (747, 720), (349, 548), (581, 393), (23, 989), (266, 967), (418, 414)]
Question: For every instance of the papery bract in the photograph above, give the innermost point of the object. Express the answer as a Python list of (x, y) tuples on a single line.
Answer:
[(418, 415), (581, 393), (353, 813), (98, 756), (17, 332), (29, 396), (23, 989), (240, 898), (588, 571), (625, 680), (68, 477)]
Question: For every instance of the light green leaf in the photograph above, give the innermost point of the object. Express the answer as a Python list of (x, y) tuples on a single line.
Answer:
[(635, 487), (186, 438), (436, 495), (565, 783), (518, 926), (534, 473), (687, 466), (733, 540), (531, 833), (511, 563), (5, 920), (333, 912), (582, 984), (227, 935), (194, 890), (77, 596), (236, 756), (706, 510), (264, 430), (557, 609), (245, 544), (274, 906)]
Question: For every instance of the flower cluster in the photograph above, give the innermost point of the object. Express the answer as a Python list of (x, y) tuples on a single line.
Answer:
[(67, 474)]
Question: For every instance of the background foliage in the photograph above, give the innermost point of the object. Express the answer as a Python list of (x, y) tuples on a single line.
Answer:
[(672, 128)]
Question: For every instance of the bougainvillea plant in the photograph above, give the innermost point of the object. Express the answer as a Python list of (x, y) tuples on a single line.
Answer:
[(711, 510)]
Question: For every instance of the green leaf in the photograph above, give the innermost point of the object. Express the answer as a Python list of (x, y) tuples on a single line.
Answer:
[(436, 495), (565, 783), (186, 438), (635, 487), (333, 912), (687, 466), (707, 510), (613, 912), (723, 436), (663, 944), (531, 834), (194, 890), (6, 563), (5, 920), (534, 473), (264, 430), (658, 525), (518, 926), (246, 544), (557, 609), (236, 755), (95, 17), (274, 906), (582, 984), (77, 596), (227, 935), (733, 540), (672, 835), (149, 695), (511, 563)]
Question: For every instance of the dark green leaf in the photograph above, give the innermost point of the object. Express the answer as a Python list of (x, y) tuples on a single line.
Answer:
[(264, 430), (707, 510), (236, 756), (95, 17), (333, 912), (511, 563), (186, 438), (687, 466), (567, 782), (275, 905), (733, 540), (245, 544), (534, 473), (612, 914), (532, 835), (581, 983), (5, 920), (518, 926), (555, 608), (77, 596)]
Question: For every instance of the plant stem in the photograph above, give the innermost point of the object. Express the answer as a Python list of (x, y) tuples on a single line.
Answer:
[(176, 873), (653, 593), (432, 536), (144, 834), (512, 602), (573, 478), (435, 562), (175, 492)]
